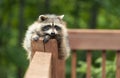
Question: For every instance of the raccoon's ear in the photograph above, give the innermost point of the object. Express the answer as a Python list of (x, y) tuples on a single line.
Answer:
[(61, 16), (42, 18)]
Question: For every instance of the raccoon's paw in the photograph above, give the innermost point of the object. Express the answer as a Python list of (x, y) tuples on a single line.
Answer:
[(46, 38), (35, 37)]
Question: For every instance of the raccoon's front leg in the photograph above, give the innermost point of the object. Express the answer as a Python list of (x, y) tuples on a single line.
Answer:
[(35, 37)]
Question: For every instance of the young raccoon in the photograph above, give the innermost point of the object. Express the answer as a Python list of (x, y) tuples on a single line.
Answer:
[(48, 26)]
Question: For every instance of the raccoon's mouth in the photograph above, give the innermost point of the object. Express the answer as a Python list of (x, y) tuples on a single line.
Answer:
[(52, 35)]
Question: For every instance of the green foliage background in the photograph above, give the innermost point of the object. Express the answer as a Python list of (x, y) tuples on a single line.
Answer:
[(17, 15)]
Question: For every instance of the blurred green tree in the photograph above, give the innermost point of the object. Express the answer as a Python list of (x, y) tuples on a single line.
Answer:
[(17, 15)]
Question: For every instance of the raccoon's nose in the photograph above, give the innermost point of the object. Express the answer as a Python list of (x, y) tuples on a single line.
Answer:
[(52, 34)]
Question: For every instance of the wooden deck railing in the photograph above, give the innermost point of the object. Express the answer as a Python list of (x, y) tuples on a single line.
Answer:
[(45, 62), (94, 40), (79, 40)]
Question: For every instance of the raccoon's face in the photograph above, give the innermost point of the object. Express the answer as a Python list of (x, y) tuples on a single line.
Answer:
[(52, 25), (52, 30)]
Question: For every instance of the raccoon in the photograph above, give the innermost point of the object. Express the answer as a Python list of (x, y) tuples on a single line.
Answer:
[(48, 26)]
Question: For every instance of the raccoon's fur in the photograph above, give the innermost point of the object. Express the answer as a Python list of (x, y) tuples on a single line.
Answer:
[(48, 26)]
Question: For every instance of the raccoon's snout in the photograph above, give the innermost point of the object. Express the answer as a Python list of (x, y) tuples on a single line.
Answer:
[(52, 34)]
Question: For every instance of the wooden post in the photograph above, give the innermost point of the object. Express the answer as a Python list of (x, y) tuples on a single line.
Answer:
[(57, 65)]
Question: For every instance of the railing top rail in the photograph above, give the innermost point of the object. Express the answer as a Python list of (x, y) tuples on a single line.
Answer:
[(93, 31), (91, 39)]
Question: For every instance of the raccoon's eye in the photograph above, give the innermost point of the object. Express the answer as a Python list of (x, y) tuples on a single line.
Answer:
[(57, 28), (45, 28)]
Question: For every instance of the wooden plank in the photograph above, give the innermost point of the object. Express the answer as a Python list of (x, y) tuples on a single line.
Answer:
[(74, 60), (94, 39), (37, 46), (103, 64), (89, 60), (58, 66), (118, 64), (39, 66)]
